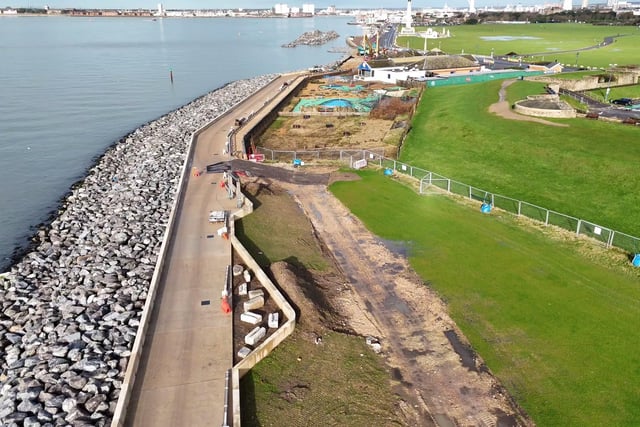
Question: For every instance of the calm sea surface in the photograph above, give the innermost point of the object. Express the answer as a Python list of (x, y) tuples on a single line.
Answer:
[(70, 87)]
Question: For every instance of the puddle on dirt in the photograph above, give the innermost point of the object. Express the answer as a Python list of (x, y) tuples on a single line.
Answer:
[(392, 302), (397, 247), (443, 420), (505, 420), (397, 375), (415, 353), (466, 353), (393, 267)]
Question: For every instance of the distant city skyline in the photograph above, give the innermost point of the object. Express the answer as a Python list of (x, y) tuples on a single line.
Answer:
[(267, 4)]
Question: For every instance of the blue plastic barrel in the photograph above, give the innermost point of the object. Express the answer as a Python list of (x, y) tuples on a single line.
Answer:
[(485, 208), (388, 171), (636, 260), (297, 162)]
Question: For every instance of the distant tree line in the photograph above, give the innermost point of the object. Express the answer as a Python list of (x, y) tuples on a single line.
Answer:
[(595, 17), (31, 10)]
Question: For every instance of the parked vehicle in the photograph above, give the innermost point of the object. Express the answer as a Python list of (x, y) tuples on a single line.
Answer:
[(622, 101)]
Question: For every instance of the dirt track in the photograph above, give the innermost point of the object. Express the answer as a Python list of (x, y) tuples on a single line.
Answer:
[(438, 375)]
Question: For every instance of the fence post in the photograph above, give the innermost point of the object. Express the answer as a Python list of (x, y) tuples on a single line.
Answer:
[(430, 177), (470, 193), (395, 166), (610, 239), (519, 206), (546, 220), (578, 227), (449, 185), (493, 202)]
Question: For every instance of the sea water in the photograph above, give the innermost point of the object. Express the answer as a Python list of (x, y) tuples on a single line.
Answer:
[(71, 87)]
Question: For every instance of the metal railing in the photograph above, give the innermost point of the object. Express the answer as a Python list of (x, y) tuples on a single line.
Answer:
[(605, 235)]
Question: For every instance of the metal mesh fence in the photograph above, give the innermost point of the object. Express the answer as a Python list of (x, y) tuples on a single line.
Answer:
[(428, 179)]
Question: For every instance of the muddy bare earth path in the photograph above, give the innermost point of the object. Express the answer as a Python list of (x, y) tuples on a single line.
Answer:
[(441, 379)]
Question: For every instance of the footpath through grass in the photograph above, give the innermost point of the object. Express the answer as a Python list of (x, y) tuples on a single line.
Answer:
[(558, 329), (587, 170)]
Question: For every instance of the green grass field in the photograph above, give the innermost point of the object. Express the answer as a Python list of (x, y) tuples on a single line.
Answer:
[(557, 327), (587, 170), (545, 40)]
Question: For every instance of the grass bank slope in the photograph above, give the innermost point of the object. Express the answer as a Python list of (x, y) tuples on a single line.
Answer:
[(558, 329), (587, 170)]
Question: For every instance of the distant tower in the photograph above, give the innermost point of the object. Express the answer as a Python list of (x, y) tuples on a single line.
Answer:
[(472, 5), (567, 5), (407, 17), (585, 4), (160, 9)]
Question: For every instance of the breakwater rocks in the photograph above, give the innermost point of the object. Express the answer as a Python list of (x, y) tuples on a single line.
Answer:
[(70, 309), (313, 38)]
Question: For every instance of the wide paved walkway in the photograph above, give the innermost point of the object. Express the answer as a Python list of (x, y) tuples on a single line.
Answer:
[(188, 348)]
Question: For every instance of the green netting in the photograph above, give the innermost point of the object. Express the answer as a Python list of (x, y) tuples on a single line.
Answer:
[(480, 78)]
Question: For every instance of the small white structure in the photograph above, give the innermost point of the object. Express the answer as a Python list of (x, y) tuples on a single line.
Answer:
[(308, 8), (255, 335), (161, 11), (244, 352), (567, 5), (251, 317), (273, 320), (242, 289)]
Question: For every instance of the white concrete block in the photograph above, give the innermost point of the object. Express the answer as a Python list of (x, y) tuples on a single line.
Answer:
[(251, 317), (242, 289), (256, 293), (247, 276), (244, 352), (253, 303), (273, 320), (255, 335)]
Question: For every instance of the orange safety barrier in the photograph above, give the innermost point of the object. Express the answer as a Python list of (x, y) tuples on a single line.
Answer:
[(226, 308)]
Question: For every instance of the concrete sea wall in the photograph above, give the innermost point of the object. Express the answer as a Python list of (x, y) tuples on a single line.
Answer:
[(70, 309)]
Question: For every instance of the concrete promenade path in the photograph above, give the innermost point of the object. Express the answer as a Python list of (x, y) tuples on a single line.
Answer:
[(189, 344)]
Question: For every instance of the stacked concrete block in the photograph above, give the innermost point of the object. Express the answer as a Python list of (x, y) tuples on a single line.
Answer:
[(251, 317), (253, 337)]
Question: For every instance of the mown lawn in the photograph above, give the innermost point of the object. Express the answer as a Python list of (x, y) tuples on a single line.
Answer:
[(587, 170), (546, 40), (558, 328)]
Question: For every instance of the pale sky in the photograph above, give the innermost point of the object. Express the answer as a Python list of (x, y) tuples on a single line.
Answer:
[(258, 4)]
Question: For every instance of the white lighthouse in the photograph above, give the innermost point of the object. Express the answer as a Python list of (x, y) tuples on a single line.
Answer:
[(472, 6)]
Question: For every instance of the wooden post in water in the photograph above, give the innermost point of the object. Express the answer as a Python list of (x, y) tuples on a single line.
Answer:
[(171, 76)]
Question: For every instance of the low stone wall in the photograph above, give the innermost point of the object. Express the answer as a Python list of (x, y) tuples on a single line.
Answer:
[(563, 111), (71, 308), (621, 78)]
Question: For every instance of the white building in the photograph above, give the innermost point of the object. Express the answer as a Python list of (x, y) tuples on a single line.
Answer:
[(161, 11), (387, 74), (281, 9), (567, 5), (309, 8)]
